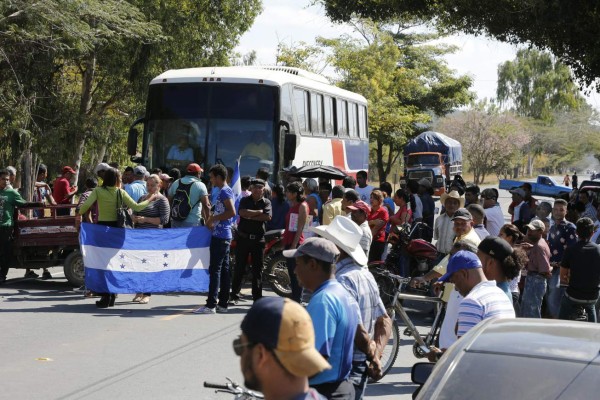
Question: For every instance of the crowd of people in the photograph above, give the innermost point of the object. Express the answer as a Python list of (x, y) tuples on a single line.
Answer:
[(544, 263)]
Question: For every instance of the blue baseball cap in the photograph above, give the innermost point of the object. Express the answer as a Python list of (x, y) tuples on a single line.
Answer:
[(462, 259)]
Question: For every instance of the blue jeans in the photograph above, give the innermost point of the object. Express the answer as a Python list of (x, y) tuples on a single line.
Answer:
[(533, 296), (568, 306), (358, 377), (555, 293), (218, 269)]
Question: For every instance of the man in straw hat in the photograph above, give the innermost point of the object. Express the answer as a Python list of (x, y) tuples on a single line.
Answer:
[(352, 273), (335, 315), (443, 228), (277, 350)]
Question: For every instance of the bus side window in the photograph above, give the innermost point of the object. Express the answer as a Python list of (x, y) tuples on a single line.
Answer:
[(362, 122), (301, 102), (316, 114), (342, 117), (329, 115), (352, 120)]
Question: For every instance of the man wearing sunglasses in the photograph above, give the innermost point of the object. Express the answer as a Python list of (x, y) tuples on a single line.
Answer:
[(277, 350)]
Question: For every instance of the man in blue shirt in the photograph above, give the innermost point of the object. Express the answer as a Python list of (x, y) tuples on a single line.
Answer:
[(335, 315), (220, 223), (137, 188), (561, 236)]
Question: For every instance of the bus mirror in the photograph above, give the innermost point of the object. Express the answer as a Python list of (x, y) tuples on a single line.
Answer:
[(289, 147), (132, 142)]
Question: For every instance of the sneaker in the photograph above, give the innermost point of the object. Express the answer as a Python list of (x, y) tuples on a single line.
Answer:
[(204, 310), (46, 275), (233, 299), (30, 274), (221, 310)]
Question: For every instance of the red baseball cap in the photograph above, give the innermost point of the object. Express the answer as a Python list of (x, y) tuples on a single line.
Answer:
[(193, 167), (360, 205), (68, 169)]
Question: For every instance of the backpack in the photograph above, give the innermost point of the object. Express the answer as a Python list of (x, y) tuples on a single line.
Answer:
[(182, 205)]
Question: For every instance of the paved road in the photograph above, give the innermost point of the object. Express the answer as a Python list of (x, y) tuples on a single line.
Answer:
[(55, 344)]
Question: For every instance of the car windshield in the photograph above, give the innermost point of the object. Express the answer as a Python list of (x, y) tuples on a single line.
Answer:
[(210, 124)]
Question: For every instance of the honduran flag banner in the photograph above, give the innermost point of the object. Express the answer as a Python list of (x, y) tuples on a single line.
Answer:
[(121, 260)]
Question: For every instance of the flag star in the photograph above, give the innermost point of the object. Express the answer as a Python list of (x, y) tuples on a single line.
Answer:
[(144, 261), (166, 255), (122, 266), (165, 265), (122, 256)]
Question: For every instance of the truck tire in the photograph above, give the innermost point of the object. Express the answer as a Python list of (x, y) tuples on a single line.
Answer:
[(74, 270)]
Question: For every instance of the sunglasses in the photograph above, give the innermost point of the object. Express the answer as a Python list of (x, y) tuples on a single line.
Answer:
[(238, 346)]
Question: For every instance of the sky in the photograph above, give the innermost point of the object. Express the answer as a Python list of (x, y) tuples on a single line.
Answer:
[(293, 21)]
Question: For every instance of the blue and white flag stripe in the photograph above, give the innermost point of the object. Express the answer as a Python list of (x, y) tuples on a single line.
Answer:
[(120, 260)]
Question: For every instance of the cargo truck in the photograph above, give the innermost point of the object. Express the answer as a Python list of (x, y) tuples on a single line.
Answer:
[(435, 157)]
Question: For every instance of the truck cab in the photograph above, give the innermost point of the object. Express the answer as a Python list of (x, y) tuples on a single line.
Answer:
[(428, 165)]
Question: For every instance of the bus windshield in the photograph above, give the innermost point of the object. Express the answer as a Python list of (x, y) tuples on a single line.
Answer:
[(211, 123)]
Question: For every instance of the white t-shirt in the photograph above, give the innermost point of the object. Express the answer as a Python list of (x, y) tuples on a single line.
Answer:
[(365, 193), (495, 220), (366, 238)]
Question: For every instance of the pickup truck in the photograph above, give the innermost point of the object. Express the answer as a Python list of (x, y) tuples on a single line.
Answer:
[(543, 186)]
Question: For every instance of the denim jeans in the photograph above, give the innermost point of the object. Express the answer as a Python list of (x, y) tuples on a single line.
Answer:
[(533, 296), (567, 308), (218, 269), (555, 293), (358, 377)]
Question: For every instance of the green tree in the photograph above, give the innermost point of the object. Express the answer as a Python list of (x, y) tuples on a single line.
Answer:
[(405, 81), (75, 73), (567, 28), (535, 85), (491, 140)]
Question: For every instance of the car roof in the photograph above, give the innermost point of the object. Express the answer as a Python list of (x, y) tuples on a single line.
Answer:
[(560, 340), (519, 358)]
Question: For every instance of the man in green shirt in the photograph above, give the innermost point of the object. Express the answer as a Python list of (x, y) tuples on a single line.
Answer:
[(9, 199)]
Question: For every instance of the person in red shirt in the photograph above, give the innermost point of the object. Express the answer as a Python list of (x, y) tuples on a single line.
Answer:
[(378, 218), (63, 192)]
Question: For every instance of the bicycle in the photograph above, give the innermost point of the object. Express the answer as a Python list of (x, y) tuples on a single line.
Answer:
[(386, 281), (240, 392)]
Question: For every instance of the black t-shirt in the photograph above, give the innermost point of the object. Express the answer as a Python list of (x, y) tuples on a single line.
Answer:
[(583, 259), (249, 226)]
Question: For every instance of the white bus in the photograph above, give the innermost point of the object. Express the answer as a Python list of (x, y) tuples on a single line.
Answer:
[(271, 117)]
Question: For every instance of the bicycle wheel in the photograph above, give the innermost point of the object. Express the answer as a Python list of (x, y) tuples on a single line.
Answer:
[(390, 351)]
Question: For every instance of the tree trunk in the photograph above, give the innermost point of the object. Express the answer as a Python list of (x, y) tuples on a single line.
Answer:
[(27, 173), (101, 153), (78, 157), (379, 161)]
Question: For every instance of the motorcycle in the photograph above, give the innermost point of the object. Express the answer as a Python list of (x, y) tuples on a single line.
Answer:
[(274, 264), (408, 257)]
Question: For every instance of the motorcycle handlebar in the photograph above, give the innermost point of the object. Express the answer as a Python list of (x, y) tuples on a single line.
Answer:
[(216, 386)]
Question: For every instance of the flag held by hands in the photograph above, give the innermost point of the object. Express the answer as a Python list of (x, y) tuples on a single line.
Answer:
[(121, 260)]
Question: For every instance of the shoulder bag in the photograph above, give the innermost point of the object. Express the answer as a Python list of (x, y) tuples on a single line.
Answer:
[(123, 216)]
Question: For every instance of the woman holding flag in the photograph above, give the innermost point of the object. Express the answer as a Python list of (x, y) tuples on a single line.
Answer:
[(106, 196)]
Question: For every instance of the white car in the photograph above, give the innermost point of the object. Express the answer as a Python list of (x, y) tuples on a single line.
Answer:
[(517, 359)]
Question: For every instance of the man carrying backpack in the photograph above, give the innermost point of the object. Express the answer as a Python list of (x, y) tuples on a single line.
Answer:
[(189, 199)]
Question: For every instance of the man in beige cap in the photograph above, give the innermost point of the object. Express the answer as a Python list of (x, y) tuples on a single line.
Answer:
[(443, 229), (277, 350)]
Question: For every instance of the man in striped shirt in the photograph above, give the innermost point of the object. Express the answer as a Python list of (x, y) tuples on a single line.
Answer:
[(482, 298)]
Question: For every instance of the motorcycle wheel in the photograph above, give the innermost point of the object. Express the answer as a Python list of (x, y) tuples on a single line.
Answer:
[(278, 275)]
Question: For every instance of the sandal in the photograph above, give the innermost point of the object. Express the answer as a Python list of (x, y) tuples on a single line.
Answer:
[(137, 297)]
